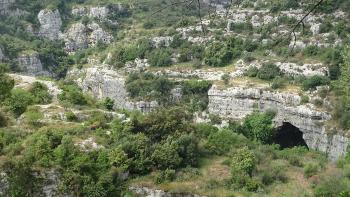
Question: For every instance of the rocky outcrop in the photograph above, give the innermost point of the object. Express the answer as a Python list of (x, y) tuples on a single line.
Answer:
[(162, 41), (50, 24), (102, 82), (5, 6), (92, 12), (2, 56), (30, 64), (238, 102), (80, 36), (148, 192)]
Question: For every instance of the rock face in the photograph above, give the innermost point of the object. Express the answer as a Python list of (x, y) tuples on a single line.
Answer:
[(80, 36), (5, 6), (50, 24), (92, 12), (148, 192), (102, 82), (30, 64), (238, 102)]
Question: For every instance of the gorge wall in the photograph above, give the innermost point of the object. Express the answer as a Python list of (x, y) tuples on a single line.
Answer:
[(237, 102)]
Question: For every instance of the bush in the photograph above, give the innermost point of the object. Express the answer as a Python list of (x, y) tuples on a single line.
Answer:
[(217, 54), (226, 78), (268, 72), (33, 116), (196, 87), (72, 94), (19, 101), (278, 82), (71, 116), (252, 71), (166, 156), (310, 169), (221, 142), (6, 83), (304, 99), (3, 120), (314, 81), (40, 93), (204, 130), (332, 186), (108, 103), (160, 58), (165, 176), (259, 126)]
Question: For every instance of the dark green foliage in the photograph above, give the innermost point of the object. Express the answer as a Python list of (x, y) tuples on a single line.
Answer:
[(166, 155), (19, 101), (108, 103), (188, 149), (252, 72), (148, 86), (314, 81), (71, 116), (218, 54), (332, 186), (6, 83), (342, 112), (221, 142), (278, 82), (160, 58), (268, 72), (226, 78), (196, 87), (72, 94), (40, 93), (259, 126), (204, 130), (166, 175)]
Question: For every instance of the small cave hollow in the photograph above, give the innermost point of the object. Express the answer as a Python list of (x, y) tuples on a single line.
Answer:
[(288, 136)]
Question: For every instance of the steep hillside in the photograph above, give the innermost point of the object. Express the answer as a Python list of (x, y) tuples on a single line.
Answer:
[(174, 98)]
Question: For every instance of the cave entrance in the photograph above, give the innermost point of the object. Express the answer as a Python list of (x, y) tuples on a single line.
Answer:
[(288, 136)]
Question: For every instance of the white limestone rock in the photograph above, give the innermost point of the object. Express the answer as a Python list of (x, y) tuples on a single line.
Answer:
[(30, 64), (50, 24), (238, 102), (315, 28), (162, 41), (80, 36)]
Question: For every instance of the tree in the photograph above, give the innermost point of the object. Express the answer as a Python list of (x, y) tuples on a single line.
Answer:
[(217, 54), (108, 103), (166, 155)]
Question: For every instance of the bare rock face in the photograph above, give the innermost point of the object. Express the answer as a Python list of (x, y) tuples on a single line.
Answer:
[(238, 102), (50, 21), (149, 192), (102, 82), (80, 36), (30, 64), (92, 12), (5, 6), (2, 56)]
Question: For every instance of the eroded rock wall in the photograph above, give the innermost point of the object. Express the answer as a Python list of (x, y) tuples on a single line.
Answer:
[(50, 24), (31, 65), (238, 102)]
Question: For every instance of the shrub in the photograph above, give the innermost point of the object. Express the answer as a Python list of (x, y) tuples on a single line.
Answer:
[(252, 71), (3, 120), (304, 99), (33, 116), (278, 82), (205, 130), (268, 72), (6, 83), (310, 169), (72, 94), (332, 185), (259, 126), (196, 87), (314, 81), (71, 116), (40, 93), (274, 173), (226, 78), (160, 58), (221, 142), (108, 103), (165, 176), (166, 156), (217, 54), (19, 101)]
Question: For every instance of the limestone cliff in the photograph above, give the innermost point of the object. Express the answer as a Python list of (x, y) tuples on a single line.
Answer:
[(50, 24), (238, 102), (30, 64), (102, 82), (80, 36)]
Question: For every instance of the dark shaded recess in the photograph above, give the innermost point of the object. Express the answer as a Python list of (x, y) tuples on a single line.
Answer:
[(288, 136)]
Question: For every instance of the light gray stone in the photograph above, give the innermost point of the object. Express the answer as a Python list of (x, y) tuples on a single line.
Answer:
[(30, 64), (50, 24), (238, 102)]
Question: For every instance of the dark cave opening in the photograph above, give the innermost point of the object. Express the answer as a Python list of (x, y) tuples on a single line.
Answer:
[(288, 136)]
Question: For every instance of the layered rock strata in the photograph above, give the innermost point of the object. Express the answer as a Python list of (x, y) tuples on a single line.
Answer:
[(30, 64), (50, 24), (238, 102)]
